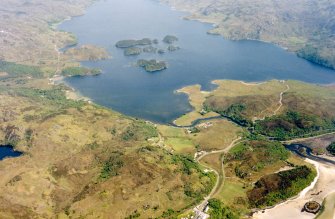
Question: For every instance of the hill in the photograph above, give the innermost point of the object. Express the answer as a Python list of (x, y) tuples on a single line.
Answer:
[(305, 27)]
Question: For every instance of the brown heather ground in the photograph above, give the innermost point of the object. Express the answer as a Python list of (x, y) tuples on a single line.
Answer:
[(67, 144), (217, 136), (65, 154), (262, 99), (28, 34)]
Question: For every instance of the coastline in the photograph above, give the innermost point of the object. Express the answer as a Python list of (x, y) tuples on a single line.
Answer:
[(193, 17), (317, 191), (72, 93)]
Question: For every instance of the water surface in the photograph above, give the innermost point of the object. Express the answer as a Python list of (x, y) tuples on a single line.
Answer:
[(7, 151), (202, 58)]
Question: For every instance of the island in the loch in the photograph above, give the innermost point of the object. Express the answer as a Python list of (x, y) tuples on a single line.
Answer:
[(132, 43), (170, 39), (137, 47), (152, 65), (150, 49), (173, 48), (132, 51), (240, 153)]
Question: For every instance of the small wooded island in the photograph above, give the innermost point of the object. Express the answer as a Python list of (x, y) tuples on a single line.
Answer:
[(173, 48), (170, 39), (132, 51), (152, 65), (132, 43), (133, 47)]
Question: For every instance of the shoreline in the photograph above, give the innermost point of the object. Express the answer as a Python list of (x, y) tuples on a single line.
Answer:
[(193, 17), (72, 93), (301, 194), (292, 208), (76, 95)]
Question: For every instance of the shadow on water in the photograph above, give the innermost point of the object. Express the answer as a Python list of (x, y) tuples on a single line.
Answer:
[(8, 151)]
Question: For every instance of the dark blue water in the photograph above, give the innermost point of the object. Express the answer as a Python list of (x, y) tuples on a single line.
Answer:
[(7, 151), (202, 58), (306, 152)]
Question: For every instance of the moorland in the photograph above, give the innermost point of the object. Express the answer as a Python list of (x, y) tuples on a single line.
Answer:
[(82, 160), (304, 27)]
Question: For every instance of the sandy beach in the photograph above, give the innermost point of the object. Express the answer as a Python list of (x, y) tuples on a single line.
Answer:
[(323, 186)]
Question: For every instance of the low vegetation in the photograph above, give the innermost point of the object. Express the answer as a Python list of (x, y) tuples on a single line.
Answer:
[(207, 180), (54, 97), (150, 49), (80, 71), (292, 125), (13, 70), (85, 53), (132, 51), (233, 112), (152, 65), (253, 156), (111, 166), (173, 48), (97, 155), (34, 44), (196, 98), (132, 43), (219, 211), (244, 103), (274, 188), (261, 161), (331, 148), (312, 54), (170, 39), (139, 130)]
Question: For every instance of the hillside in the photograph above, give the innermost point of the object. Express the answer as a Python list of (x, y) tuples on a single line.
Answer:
[(305, 27), (28, 35), (80, 159), (281, 109)]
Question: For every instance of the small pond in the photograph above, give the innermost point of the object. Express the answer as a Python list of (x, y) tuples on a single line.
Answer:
[(8, 151)]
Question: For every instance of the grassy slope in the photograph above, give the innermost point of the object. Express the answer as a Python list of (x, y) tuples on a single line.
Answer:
[(67, 146), (29, 36), (265, 159), (304, 109), (100, 160), (80, 160), (306, 27), (261, 100), (307, 110), (218, 135), (90, 136), (264, 99), (196, 97)]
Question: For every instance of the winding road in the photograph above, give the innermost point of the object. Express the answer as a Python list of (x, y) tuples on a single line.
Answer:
[(281, 99), (220, 176), (200, 209), (278, 108)]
